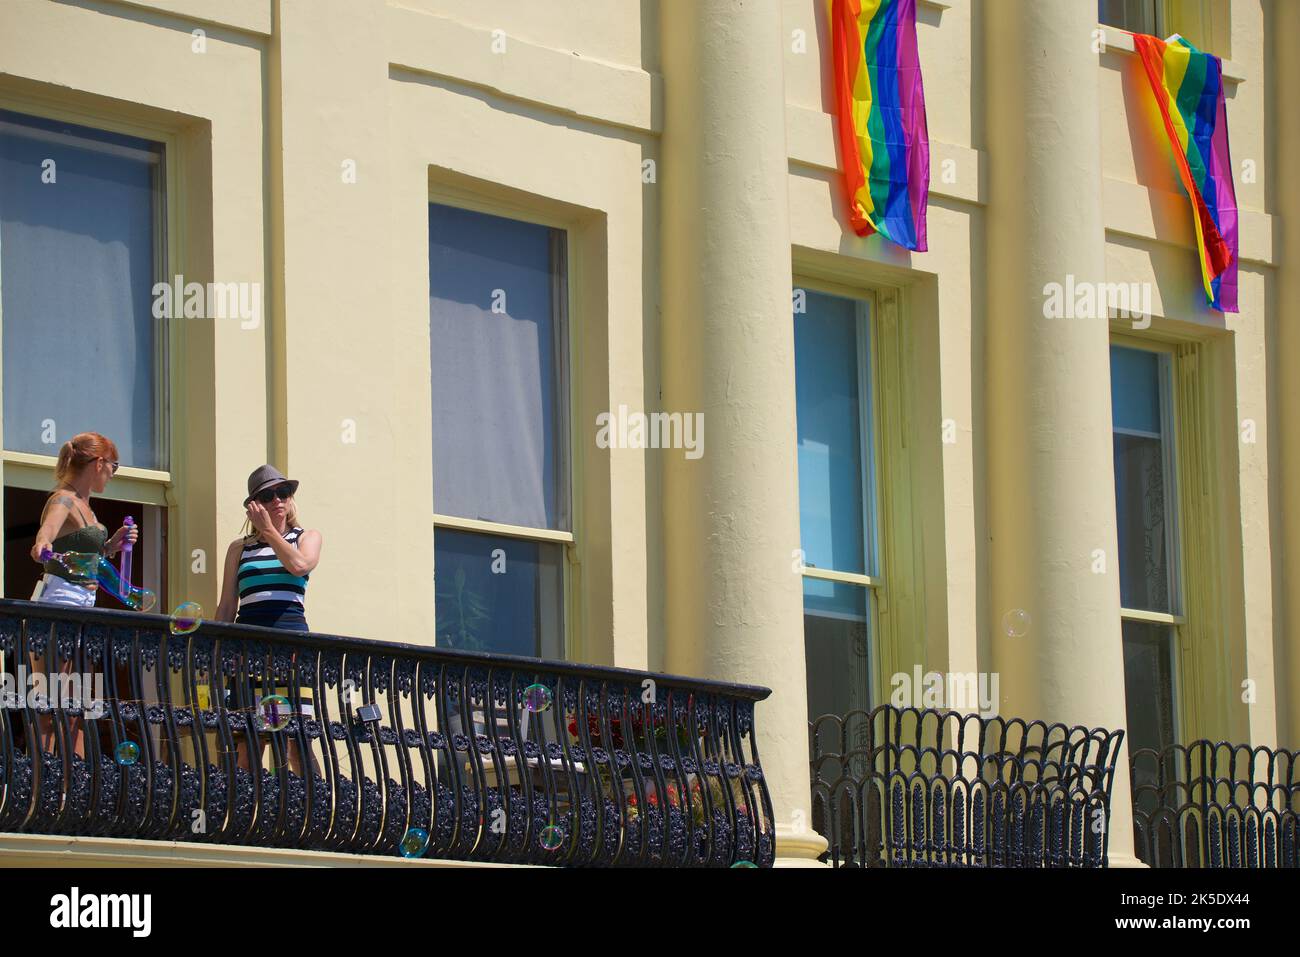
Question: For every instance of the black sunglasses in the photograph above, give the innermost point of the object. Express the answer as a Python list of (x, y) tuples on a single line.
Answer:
[(267, 496)]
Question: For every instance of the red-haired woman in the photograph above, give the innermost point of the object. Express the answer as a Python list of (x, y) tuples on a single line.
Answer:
[(68, 524)]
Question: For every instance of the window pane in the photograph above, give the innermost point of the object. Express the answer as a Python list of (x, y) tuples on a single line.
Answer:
[(836, 642), (1137, 16), (77, 269), (499, 441), (1141, 483), (828, 398), (1140, 504), (495, 594), (1135, 389), (1148, 693)]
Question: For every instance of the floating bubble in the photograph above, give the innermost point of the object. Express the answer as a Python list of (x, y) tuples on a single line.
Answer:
[(127, 753), (1015, 623), (743, 864), (276, 711), (81, 564), (537, 698), (415, 842), (552, 836), (93, 565), (186, 617)]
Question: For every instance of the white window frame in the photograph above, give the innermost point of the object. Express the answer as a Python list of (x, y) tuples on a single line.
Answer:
[(1174, 619), (865, 305)]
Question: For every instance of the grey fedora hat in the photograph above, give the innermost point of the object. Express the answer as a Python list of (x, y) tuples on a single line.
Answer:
[(264, 477)]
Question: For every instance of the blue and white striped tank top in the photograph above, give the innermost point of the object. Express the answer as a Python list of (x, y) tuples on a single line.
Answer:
[(268, 594)]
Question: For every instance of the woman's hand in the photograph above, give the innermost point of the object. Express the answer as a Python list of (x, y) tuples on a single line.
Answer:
[(125, 534), (42, 544), (260, 518)]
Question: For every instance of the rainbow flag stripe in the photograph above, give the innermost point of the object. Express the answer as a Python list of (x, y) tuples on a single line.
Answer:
[(884, 143), (1188, 87)]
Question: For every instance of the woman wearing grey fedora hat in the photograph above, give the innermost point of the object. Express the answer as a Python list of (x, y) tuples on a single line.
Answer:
[(267, 569), (266, 572)]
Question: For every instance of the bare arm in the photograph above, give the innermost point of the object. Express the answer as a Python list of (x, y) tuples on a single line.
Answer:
[(57, 509), (296, 561), (229, 602), (309, 546)]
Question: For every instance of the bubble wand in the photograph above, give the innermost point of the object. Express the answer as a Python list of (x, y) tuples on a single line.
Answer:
[(124, 557)]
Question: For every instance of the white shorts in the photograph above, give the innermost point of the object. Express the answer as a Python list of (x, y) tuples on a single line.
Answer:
[(53, 590)]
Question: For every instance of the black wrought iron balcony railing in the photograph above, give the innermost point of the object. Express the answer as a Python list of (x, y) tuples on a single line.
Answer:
[(911, 787), (240, 735), (1216, 805)]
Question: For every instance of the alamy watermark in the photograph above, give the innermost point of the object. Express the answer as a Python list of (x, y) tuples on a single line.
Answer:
[(1098, 300), (215, 300), (957, 691), (651, 430), (74, 909), (61, 691)]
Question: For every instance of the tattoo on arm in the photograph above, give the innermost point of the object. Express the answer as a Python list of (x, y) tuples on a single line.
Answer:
[(63, 500)]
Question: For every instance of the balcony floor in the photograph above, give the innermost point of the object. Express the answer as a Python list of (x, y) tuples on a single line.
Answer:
[(48, 850)]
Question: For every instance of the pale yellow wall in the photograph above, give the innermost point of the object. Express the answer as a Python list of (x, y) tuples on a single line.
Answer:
[(1284, 330), (622, 32), (556, 129)]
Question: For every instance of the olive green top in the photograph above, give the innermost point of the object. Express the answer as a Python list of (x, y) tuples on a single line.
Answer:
[(88, 538)]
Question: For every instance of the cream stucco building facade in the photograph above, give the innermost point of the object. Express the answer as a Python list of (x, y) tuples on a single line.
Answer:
[(684, 150)]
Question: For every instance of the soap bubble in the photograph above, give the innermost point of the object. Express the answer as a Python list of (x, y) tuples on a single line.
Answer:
[(551, 837), (415, 843), (186, 617), (81, 564), (127, 753), (1015, 623), (537, 698), (92, 565), (276, 711), (743, 864), (140, 599)]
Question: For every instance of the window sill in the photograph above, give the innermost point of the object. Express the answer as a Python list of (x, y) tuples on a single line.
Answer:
[(498, 528), (1122, 41), (1151, 617), (846, 578)]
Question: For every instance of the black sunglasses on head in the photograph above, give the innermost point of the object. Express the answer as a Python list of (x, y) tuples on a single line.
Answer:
[(267, 496)]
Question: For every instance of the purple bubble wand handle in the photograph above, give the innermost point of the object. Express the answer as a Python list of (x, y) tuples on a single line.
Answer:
[(124, 561)]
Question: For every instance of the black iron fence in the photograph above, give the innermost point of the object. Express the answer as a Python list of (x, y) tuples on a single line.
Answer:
[(909, 787), (240, 735), (1216, 805)]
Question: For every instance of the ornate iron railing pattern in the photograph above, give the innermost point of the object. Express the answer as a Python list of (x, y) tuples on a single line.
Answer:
[(495, 758), (910, 787), (1216, 805)]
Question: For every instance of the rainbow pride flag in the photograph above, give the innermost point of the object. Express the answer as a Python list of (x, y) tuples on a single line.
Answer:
[(1188, 87), (884, 143)]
